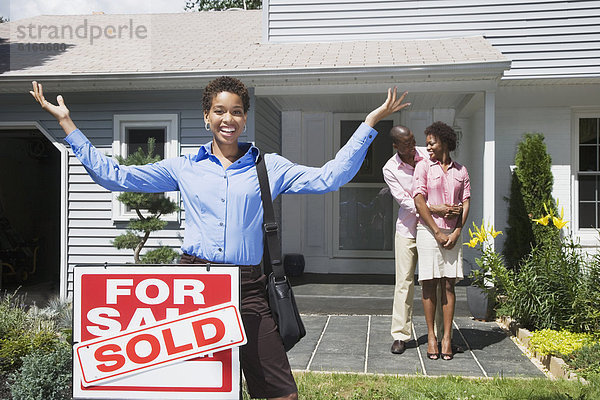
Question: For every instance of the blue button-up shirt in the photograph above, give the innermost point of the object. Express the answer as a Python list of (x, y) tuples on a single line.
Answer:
[(223, 207)]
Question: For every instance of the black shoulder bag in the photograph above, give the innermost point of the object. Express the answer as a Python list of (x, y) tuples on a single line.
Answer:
[(281, 298)]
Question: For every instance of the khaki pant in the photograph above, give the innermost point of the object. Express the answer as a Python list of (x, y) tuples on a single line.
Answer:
[(406, 262)]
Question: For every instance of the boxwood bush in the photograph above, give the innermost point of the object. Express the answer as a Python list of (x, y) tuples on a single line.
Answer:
[(44, 375)]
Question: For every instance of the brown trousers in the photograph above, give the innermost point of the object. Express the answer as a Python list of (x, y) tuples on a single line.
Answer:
[(263, 358)]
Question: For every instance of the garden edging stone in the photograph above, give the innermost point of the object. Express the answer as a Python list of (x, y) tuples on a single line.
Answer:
[(555, 365)]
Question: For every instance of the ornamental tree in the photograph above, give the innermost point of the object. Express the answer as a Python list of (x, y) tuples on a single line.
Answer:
[(530, 198), (149, 207)]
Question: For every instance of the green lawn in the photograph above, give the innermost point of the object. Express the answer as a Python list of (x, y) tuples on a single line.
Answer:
[(317, 386)]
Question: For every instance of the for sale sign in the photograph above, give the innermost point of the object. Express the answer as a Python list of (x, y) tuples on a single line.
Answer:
[(167, 332)]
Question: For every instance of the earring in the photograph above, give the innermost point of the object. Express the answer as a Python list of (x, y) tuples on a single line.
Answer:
[(207, 126), (245, 127)]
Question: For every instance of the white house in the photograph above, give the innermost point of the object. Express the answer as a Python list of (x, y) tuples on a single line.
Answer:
[(494, 69)]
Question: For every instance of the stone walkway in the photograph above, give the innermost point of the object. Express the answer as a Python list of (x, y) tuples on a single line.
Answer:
[(348, 327)]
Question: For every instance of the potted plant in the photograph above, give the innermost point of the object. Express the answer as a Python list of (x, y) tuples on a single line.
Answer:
[(491, 278)]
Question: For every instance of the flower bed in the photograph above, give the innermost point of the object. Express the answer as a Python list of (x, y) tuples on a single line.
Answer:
[(546, 354)]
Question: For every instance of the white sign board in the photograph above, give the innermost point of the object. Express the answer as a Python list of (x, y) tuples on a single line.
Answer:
[(168, 332)]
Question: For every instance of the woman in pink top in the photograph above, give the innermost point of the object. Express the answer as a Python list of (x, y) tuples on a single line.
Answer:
[(440, 180)]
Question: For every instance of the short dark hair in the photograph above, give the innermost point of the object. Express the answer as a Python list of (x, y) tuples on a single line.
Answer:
[(444, 133), (225, 84), (398, 132)]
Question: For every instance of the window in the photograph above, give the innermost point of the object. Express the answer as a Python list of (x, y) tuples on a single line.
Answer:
[(132, 132), (588, 175), (364, 208)]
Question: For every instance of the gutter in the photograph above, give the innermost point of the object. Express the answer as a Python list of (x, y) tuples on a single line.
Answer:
[(488, 71)]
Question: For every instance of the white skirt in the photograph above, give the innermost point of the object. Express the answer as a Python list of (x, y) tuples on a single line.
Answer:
[(436, 261)]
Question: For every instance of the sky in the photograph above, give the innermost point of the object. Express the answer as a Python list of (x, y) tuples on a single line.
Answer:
[(19, 9)]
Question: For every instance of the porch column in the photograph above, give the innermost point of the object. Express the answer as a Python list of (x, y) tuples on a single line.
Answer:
[(489, 158)]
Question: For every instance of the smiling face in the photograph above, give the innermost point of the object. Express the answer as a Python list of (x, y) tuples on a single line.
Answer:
[(435, 147), (226, 118)]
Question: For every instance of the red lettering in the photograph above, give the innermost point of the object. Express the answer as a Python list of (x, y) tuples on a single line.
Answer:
[(115, 358), (133, 356), (170, 344), (199, 332)]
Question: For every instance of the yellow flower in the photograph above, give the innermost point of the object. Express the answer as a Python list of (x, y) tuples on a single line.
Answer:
[(494, 232), (480, 233), (472, 243), (559, 222), (542, 221)]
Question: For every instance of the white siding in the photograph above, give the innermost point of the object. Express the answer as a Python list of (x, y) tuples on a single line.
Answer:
[(547, 110), (543, 38)]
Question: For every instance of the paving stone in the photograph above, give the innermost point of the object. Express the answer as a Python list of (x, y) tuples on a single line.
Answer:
[(381, 360), (347, 306), (462, 364), (343, 345), (300, 354)]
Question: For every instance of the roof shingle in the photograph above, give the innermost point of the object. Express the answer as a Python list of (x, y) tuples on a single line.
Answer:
[(205, 41)]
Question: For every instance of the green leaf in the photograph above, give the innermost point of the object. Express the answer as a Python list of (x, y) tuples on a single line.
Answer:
[(127, 240), (162, 255), (147, 225)]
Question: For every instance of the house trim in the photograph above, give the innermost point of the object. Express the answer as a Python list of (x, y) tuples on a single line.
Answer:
[(588, 237), (489, 159), (286, 77), (64, 171)]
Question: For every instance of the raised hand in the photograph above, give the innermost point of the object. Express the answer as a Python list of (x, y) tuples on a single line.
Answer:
[(392, 104), (60, 111)]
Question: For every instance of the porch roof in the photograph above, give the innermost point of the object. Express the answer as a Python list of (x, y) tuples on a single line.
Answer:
[(205, 44)]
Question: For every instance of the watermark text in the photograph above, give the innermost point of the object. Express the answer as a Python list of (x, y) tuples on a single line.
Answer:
[(92, 32)]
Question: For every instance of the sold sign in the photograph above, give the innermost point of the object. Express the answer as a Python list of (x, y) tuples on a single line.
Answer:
[(159, 332), (189, 336)]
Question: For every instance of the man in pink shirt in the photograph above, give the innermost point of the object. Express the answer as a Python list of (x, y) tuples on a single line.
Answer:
[(398, 174)]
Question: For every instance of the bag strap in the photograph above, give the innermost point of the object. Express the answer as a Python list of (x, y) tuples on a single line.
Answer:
[(272, 257)]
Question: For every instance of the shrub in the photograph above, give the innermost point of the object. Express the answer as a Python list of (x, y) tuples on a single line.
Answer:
[(585, 361), (559, 343), (12, 313), (586, 315), (24, 331), (20, 343), (519, 233), (545, 288), (44, 375), (535, 174), (531, 196)]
